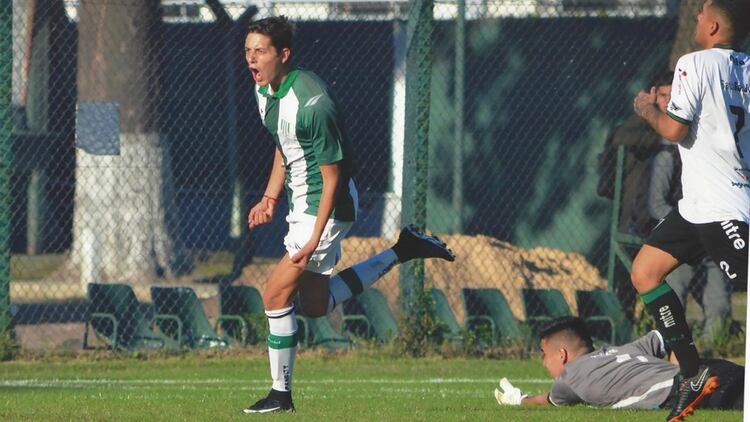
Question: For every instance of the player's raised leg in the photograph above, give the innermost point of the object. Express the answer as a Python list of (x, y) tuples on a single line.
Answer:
[(412, 244)]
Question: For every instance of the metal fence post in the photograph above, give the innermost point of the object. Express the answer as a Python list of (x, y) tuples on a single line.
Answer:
[(6, 65), (414, 196), (458, 95)]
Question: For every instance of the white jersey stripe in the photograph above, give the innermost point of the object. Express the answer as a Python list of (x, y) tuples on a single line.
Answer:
[(662, 347), (635, 399)]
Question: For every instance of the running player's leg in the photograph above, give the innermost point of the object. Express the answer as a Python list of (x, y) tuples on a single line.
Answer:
[(412, 244), (277, 301), (319, 294), (673, 241), (286, 279), (650, 267), (353, 280)]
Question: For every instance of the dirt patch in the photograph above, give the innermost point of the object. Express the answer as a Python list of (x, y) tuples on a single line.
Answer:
[(482, 261), (56, 336)]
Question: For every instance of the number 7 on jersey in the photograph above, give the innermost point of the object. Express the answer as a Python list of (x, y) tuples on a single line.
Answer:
[(740, 113)]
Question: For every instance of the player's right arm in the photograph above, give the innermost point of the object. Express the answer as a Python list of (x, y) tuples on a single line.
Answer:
[(508, 395), (665, 125), (686, 98), (262, 212)]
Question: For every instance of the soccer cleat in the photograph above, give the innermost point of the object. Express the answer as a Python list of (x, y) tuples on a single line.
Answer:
[(413, 243), (275, 402), (691, 392)]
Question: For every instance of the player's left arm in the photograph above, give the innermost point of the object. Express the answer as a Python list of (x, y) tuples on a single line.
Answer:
[(665, 125)]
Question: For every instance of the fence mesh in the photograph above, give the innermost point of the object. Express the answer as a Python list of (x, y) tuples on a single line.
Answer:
[(137, 151)]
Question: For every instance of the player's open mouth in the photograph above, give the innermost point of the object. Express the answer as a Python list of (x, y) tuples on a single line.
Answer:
[(256, 74)]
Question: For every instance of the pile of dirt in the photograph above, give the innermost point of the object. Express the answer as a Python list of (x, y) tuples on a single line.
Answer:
[(482, 261)]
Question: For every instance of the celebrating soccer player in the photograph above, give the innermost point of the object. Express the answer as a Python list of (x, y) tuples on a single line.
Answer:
[(313, 163), (707, 116)]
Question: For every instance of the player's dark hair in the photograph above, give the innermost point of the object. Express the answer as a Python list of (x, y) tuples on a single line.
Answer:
[(277, 28), (573, 327), (738, 14), (662, 79)]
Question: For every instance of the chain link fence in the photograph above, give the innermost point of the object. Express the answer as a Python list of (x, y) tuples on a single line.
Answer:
[(137, 151)]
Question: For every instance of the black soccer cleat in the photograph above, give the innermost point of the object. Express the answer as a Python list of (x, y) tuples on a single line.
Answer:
[(274, 402), (691, 392), (413, 243)]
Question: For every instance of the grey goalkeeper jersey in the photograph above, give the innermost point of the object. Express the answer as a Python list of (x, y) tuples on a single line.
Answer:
[(630, 376)]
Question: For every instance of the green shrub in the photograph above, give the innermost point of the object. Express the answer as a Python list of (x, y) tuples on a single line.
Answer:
[(9, 347)]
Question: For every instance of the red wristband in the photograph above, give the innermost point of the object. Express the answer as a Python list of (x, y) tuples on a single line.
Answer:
[(273, 200)]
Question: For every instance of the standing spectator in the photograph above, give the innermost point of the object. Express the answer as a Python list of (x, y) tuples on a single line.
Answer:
[(641, 142)]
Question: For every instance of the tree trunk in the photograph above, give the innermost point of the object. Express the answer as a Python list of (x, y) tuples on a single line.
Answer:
[(683, 42), (123, 198)]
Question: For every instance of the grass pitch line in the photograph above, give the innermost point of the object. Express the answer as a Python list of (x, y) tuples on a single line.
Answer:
[(79, 383)]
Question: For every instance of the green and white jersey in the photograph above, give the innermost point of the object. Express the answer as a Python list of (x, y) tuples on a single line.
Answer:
[(305, 124)]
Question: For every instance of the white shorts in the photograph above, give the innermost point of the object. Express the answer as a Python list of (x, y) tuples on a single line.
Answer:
[(328, 253)]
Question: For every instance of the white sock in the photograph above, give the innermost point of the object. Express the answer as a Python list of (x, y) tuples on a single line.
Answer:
[(282, 346), (353, 280)]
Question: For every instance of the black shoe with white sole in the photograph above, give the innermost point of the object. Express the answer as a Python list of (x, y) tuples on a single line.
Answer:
[(413, 243), (274, 402)]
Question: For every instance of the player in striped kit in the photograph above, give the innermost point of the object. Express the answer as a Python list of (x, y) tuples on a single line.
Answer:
[(313, 163)]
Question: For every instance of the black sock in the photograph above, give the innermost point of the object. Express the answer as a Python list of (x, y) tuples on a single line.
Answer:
[(282, 396), (664, 305), (398, 249)]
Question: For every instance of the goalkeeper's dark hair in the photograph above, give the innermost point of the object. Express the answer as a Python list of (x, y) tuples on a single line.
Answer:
[(570, 328), (737, 13), (277, 28), (663, 79)]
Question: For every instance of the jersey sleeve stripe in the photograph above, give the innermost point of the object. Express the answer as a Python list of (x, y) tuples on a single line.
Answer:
[(662, 345), (678, 118), (635, 399), (549, 399)]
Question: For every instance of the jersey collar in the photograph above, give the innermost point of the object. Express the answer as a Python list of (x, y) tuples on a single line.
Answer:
[(724, 46), (283, 89)]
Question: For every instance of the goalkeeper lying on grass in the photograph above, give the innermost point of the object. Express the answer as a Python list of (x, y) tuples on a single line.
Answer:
[(633, 375)]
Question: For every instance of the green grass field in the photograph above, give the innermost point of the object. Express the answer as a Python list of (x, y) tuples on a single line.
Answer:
[(355, 386)]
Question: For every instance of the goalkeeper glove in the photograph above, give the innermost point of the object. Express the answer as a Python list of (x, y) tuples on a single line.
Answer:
[(508, 394)]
